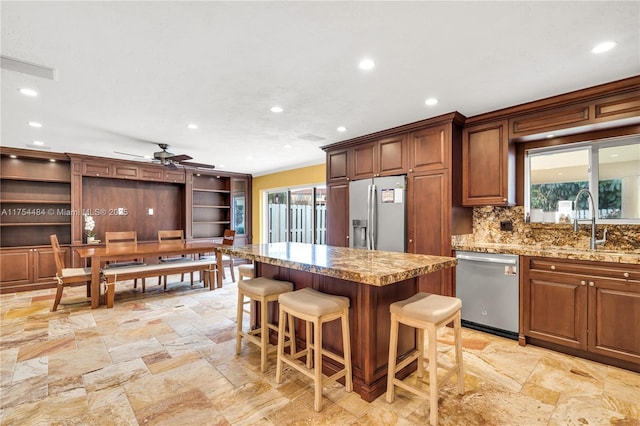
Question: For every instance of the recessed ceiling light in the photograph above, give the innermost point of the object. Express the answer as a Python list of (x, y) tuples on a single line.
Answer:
[(276, 109), (192, 126), (603, 47), (39, 143), (287, 146), (431, 101), (35, 124), (220, 166), (53, 160), (13, 156), (341, 129), (28, 92), (367, 64)]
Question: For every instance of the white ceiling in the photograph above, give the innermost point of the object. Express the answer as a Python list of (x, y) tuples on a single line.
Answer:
[(133, 74)]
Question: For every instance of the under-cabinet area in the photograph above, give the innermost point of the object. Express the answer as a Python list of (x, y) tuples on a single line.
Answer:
[(590, 307)]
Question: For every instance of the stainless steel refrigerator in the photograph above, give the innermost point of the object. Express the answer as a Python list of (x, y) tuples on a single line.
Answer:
[(377, 213)]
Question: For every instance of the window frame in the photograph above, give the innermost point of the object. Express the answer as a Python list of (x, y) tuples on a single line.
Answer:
[(593, 147)]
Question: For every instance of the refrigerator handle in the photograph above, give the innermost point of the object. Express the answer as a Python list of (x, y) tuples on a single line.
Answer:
[(374, 217), (368, 217)]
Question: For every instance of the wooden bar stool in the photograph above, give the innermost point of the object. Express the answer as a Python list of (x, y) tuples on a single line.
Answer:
[(246, 271), (263, 291), (428, 312), (315, 308)]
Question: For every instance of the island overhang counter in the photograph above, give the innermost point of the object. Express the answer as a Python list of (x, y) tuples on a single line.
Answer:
[(371, 279)]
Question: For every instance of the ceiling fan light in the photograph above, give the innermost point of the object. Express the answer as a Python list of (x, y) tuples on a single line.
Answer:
[(192, 126)]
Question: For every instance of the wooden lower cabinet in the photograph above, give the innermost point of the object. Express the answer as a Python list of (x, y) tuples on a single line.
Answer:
[(24, 269), (590, 308)]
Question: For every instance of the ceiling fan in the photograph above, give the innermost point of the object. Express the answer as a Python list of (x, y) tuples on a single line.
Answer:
[(171, 160)]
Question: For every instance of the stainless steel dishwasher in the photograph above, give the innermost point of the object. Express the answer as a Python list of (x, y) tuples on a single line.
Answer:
[(488, 286)]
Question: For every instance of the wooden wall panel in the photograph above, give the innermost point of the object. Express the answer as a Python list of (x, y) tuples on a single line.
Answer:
[(103, 197)]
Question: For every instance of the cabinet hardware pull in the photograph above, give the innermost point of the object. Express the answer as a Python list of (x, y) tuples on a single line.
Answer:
[(410, 240), (504, 199), (591, 283), (553, 267), (411, 170), (626, 275), (583, 282)]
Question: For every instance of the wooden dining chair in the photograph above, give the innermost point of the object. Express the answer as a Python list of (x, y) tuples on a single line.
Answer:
[(177, 236), (67, 277), (228, 239), (123, 239)]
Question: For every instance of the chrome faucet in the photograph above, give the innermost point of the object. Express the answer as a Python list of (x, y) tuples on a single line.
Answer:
[(593, 243)]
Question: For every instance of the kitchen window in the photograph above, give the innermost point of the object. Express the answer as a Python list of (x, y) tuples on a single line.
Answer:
[(609, 169)]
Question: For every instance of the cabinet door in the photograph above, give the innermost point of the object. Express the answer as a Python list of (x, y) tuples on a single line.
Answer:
[(338, 214), (15, 267), (614, 316), (392, 156), (555, 308), (177, 176), (428, 220), (151, 173), (337, 165), (123, 171), (99, 169), (488, 165), (364, 160), (428, 149), (44, 265)]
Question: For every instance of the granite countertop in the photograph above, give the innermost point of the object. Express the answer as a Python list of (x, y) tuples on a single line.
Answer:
[(598, 255), (378, 268)]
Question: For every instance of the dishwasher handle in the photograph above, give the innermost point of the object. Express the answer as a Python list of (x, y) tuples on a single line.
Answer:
[(487, 259)]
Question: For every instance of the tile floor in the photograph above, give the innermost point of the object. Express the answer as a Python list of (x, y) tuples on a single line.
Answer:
[(168, 358)]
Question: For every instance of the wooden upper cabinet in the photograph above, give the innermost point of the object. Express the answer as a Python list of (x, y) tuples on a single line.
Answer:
[(392, 156), (151, 173), (337, 165), (125, 171), (385, 157), (95, 168), (550, 120), (488, 165), (572, 117), (364, 161), (176, 176), (428, 149)]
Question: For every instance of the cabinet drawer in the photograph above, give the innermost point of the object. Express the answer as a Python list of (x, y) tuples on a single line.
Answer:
[(606, 270)]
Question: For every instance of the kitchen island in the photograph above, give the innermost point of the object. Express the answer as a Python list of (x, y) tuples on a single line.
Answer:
[(372, 280)]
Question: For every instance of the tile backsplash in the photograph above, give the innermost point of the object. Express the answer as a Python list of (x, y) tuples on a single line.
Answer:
[(486, 229)]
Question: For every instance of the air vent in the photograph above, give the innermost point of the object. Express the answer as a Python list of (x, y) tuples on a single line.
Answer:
[(24, 67), (311, 138)]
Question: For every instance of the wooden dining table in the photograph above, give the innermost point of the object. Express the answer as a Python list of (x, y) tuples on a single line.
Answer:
[(98, 254)]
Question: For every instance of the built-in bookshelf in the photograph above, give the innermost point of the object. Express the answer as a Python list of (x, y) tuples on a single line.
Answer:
[(211, 205)]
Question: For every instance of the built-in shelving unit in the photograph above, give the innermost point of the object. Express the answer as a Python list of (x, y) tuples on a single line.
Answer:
[(211, 207), (35, 201)]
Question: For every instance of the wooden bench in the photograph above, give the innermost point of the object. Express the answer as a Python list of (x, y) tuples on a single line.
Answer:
[(146, 271)]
